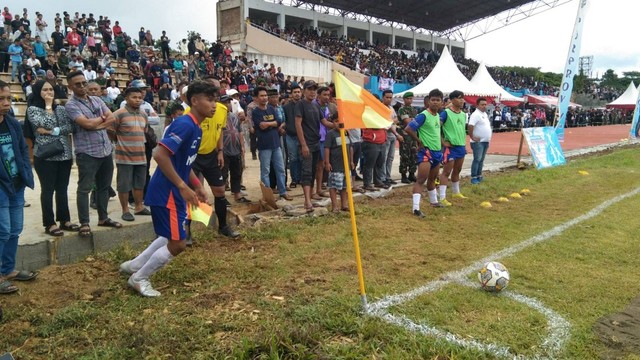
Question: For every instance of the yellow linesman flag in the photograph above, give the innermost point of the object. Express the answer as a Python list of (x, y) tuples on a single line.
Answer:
[(201, 213), (358, 108)]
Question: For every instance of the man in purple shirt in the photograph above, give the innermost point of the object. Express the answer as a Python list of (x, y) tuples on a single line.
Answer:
[(93, 151)]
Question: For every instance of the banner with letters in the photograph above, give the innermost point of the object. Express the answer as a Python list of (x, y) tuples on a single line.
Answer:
[(633, 133), (544, 147), (570, 70)]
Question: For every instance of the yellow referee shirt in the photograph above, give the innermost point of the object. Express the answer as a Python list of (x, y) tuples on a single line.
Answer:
[(212, 129)]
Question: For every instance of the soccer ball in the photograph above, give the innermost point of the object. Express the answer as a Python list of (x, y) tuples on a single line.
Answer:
[(493, 276)]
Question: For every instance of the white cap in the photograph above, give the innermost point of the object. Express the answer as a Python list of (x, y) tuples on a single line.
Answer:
[(184, 90), (232, 92)]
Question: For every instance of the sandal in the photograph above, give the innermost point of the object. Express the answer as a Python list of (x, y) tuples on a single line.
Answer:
[(309, 209), (293, 185), (53, 230), (6, 287), (21, 275), (243, 200), (316, 197), (85, 230), (346, 209), (69, 226), (144, 212), (110, 223), (325, 194)]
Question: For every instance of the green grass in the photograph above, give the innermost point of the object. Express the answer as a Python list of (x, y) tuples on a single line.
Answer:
[(290, 291)]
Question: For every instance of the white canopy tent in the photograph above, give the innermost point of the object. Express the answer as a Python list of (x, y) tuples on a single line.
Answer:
[(627, 100), (447, 77), (483, 81)]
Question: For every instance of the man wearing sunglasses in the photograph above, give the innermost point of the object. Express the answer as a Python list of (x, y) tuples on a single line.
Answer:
[(93, 150)]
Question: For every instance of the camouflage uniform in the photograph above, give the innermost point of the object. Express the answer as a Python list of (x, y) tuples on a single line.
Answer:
[(408, 147)]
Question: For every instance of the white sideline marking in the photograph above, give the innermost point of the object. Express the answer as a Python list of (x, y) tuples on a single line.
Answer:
[(558, 327)]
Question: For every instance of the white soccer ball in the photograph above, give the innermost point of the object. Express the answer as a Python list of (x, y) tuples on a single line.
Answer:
[(493, 276)]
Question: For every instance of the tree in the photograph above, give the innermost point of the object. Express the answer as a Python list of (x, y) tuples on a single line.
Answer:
[(610, 79)]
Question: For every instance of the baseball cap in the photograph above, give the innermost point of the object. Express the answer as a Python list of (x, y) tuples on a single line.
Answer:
[(138, 84), (225, 98), (310, 84), (408, 94), (232, 92)]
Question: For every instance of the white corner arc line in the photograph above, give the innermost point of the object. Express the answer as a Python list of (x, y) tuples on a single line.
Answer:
[(558, 326)]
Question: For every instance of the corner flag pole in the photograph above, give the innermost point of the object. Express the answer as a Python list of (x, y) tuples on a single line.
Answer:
[(352, 213)]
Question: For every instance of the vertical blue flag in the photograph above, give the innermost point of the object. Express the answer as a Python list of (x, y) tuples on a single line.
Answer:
[(633, 133), (570, 70)]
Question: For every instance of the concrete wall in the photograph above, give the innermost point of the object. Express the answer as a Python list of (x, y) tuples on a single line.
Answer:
[(293, 59)]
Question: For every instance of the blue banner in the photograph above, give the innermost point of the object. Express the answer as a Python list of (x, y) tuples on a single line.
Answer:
[(544, 147), (570, 70), (633, 133)]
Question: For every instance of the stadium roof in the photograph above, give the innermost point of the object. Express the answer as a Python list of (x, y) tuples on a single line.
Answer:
[(434, 15)]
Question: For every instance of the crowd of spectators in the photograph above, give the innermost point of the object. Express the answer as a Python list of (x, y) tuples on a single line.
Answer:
[(397, 62)]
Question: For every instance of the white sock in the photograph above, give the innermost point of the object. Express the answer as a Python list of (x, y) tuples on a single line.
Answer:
[(455, 187), (141, 259), (443, 192), (416, 201), (158, 260), (433, 196)]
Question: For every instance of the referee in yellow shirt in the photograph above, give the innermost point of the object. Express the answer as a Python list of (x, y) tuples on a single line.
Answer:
[(210, 161)]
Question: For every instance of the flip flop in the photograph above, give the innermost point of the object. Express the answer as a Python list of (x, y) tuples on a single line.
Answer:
[(243, 200), (110, 223), (145, 212), (70, 227), (22, 275), (127, 217), (53, 232), (6, 287), (85, 230), (316, 197)]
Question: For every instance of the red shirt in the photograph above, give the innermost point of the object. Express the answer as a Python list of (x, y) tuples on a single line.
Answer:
[(117, 30), (74, 39)]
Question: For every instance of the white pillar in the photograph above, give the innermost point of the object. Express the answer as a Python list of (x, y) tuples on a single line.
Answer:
[(415, 48), (370, 34), (281, 21), (393, 37), (315, 20), (449, 44), (344, 28)]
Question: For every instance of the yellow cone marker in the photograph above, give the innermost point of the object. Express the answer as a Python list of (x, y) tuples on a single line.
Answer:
[(485, 204), (503, 199), (582, 172), (525, 192), (515, 196)]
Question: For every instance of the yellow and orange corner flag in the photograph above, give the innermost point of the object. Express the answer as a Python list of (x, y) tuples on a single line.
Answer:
[(358, 108), (201, 213)]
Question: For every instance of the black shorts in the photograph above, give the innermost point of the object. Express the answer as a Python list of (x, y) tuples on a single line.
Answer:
[(207, 165)]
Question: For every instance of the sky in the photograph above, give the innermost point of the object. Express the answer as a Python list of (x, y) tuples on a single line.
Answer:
[(539, 41)]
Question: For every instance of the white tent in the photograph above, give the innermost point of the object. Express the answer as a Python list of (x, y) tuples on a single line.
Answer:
[(447, 77), (483, 81), (627, 100)]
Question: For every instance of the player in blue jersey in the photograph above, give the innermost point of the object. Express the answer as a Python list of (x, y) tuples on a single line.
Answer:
[(172, 188)]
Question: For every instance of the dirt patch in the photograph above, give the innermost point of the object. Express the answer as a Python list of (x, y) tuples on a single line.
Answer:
[(620, 332)]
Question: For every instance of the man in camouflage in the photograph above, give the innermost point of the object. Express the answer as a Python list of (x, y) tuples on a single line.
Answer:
[(408, 147)]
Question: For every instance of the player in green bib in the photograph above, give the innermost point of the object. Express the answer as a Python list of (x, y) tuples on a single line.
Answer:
[(424, 129), (454, 138)]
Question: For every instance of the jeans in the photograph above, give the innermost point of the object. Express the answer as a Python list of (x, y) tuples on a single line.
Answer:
[(373, 169), (390, 152), (14, 70), (98, 171), (267, 157), (54, 177), (11, 221), (295, 157), (479, 151)]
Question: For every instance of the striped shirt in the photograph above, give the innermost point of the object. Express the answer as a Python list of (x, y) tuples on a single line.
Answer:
[(129, 127), (94, 143)]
